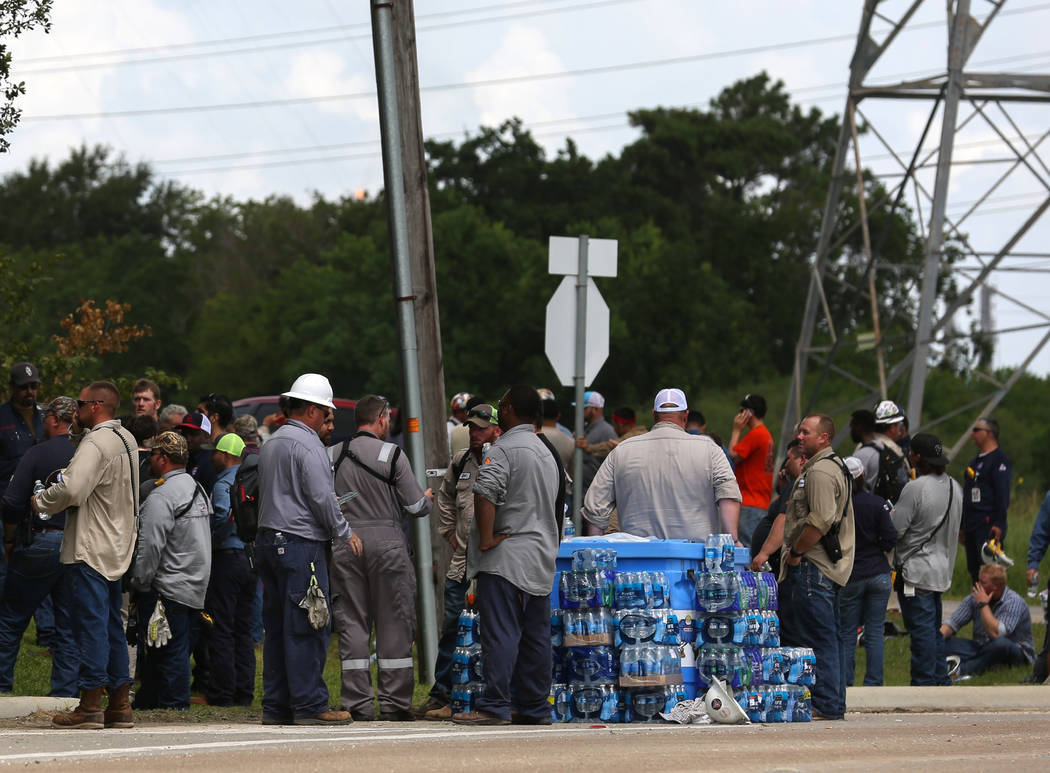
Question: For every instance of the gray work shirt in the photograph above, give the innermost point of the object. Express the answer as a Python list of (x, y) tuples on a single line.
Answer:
[(598, 431), (519, 476), (928, 563), (296, 492), (664, 483), (375, 500), (173, 555)]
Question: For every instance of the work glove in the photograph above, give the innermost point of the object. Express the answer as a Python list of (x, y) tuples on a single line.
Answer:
[(314, 603), (159, 632)]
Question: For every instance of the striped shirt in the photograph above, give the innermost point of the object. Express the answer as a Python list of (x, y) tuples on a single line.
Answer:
[(1015, 621)]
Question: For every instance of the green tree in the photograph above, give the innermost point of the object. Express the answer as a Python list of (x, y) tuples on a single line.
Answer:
[(16, 17)]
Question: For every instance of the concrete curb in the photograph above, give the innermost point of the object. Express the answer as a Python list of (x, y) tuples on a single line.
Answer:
[(24, 705), (954, 698)]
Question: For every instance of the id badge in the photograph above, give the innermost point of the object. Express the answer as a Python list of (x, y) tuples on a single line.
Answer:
[(909, 590), (975, 495)]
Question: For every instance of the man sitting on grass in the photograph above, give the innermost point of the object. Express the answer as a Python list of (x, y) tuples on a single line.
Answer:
[(1002, 627)]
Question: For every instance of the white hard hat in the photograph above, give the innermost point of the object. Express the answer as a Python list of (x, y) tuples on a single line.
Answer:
[(313, 388), (722, 706)]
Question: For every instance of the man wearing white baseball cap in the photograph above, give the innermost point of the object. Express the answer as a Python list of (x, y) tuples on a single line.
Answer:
[(666, 483)]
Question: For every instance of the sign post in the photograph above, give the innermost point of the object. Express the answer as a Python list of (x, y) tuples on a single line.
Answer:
[(577, 359)]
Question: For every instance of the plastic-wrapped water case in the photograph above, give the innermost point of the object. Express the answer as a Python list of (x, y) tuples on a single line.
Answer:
[(802, 668), (645, 704), (468, 631), (776, 699), (723, 628), (467, 664), (726, 662), (462, 697), (718, 592), (584, 590), (592, 665), (775, 665), (588, 627), (594, 702), (642, 626), (650, 665)]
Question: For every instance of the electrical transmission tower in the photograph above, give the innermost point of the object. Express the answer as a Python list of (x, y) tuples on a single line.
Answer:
[(996, 107)]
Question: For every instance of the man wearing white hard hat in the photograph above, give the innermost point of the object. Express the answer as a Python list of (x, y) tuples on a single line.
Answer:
[(894, 468), (298, 516), (666, 483)]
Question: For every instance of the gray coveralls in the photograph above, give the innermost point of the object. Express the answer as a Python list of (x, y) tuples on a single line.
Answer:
[(379, 586)]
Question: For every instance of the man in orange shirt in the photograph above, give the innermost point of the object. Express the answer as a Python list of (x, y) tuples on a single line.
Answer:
[(753, 463)]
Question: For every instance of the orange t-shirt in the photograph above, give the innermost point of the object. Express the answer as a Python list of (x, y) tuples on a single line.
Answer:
[(754, 471)]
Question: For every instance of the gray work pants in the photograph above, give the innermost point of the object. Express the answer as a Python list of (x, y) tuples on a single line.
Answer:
[(377, 588)]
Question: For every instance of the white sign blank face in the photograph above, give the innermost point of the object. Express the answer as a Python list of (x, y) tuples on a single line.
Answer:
[(564, 256), (560, 338)]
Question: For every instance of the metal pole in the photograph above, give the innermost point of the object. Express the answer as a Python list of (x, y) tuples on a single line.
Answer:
[(578, 379), (958, 51), (393, 180)]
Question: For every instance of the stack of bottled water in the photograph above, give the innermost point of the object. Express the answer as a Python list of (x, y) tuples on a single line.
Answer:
[(738, 639), (468, 680), (617, 655)]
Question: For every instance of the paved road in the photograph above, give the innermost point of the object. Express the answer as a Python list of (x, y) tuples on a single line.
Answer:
[(1014, 741)]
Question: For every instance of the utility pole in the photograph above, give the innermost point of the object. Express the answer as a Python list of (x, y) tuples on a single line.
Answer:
[(423, 407)]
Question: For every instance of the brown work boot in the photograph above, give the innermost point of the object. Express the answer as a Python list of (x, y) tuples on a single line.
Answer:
[(327, 717), (86, 716), (118, 712), (442, 714)]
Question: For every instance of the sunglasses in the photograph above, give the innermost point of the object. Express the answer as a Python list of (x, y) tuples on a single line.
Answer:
[(82, 403)]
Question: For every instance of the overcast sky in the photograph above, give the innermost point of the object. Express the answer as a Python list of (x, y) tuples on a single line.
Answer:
[(264, 97)]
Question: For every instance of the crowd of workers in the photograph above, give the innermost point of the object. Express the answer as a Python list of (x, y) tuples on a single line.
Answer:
[(121, 530)]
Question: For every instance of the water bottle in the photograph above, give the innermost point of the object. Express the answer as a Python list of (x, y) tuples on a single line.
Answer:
[(754, 704), (728, 553), (38, 486), (772, 591), (1033, 586), (466, 629), (800, 704), (660, 590), (713, 553), (569, 530), (611, 703), (560, 703), (776, 698), (770, 629)]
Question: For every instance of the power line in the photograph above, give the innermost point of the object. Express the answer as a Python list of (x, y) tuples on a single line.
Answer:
[(341, 38), (483, 83)]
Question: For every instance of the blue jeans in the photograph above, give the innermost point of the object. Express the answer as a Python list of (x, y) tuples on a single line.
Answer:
[(922, 616), (863, 602), (164, 671), (978, 658), (749, 519), (815, 601), (98, 628), (35, 574), (293, 651), (455, 594)]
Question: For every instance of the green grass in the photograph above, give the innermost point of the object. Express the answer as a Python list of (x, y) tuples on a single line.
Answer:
[(897, 662), (33, 675)]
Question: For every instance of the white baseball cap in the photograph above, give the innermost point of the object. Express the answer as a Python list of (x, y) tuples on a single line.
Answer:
[(670, 400), (854, 465)]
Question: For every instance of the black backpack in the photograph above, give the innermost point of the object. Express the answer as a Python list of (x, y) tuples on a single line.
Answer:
[(244, 498), (893, 474)]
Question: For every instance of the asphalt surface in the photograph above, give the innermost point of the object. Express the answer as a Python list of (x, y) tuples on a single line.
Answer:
[(943, 741)]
